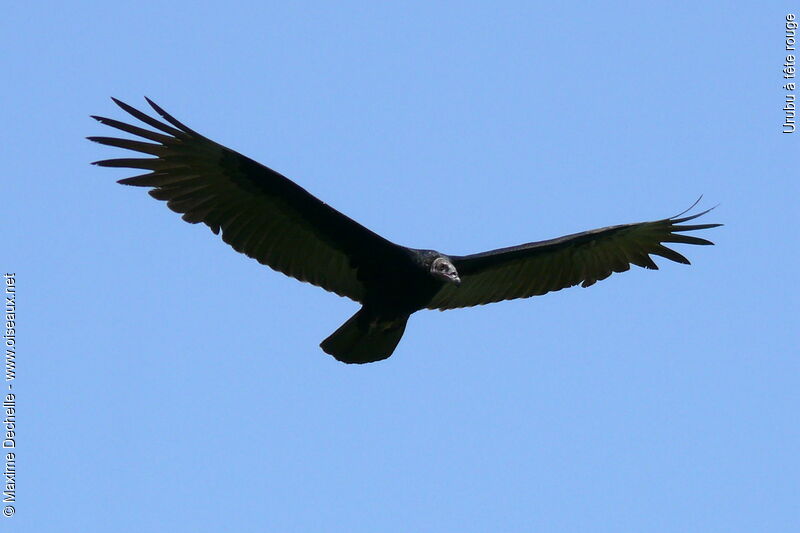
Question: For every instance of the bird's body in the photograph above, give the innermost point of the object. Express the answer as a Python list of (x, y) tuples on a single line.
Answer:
[(273, 220), (391, 295)]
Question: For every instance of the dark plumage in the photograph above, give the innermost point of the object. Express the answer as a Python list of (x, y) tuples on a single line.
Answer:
[(273, 220)]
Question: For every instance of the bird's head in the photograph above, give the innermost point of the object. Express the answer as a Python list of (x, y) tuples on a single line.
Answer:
[(442, 268)]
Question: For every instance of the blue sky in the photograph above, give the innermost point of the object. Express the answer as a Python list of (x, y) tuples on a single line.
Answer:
[(167, 383)]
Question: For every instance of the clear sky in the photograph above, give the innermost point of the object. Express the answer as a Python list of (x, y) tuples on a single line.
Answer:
[(167, 383)]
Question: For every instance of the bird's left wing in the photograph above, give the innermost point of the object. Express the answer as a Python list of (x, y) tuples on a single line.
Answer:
[(260, 212), (582, 258)]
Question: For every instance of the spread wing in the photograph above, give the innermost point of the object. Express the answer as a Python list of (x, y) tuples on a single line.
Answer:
[(259, 212), (582, 258)]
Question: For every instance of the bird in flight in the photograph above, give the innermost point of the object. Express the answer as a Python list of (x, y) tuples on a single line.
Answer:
[(268, 217)]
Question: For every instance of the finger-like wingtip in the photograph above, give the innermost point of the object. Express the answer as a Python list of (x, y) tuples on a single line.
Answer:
[(169, 118), (177, 133), (692, 207), (679, 218), (125, 107)]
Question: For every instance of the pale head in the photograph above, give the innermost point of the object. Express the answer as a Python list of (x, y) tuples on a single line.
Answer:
[(442, 268)]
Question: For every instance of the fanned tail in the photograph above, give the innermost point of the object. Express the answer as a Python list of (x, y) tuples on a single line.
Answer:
[(365, 338)]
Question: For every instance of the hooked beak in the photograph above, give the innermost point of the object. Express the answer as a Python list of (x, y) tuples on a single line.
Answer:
[(457, 281)]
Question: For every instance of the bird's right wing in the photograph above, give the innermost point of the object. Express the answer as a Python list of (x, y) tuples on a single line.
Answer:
[(260, 212), (582, 258)]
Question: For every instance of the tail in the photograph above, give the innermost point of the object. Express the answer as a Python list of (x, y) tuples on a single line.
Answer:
[(365, 338)]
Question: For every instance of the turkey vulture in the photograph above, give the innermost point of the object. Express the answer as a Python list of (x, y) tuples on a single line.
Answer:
[(270, 218)]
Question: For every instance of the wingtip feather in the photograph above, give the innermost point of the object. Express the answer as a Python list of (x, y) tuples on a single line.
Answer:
[(169, 118), (690, 208)]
